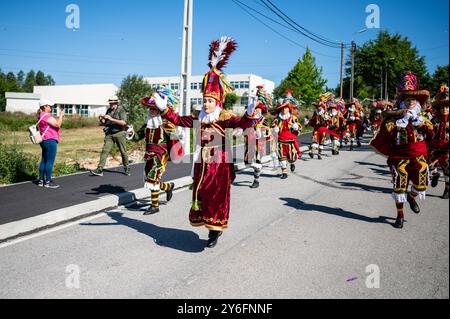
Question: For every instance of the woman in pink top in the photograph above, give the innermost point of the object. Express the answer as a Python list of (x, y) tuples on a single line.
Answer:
[(49, 128)]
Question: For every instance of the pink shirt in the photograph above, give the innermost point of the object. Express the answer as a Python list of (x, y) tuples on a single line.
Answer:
[(52, 133)]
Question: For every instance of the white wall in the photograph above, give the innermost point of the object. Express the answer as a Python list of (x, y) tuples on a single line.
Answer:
[(27, 103)]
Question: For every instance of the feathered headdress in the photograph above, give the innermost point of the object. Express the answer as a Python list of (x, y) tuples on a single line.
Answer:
[(214, 83), (264, 99), (409, 88), (172, 98), (441, 98)]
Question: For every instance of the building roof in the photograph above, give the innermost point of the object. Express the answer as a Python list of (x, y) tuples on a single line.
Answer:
[(85, 94)]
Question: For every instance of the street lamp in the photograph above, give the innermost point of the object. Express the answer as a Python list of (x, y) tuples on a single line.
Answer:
[(386, 92), (352, 81)]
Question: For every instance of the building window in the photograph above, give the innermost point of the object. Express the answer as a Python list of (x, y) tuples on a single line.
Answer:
[(196, 86), (196, 101), (174, 86), (244, 101), (155, 86), (83, 110), (55, 110), (68, 108)]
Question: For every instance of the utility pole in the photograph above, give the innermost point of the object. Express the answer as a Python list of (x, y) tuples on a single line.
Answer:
[(381, 84), (342, 69), (186, 68), (352, 81), (386, 94)]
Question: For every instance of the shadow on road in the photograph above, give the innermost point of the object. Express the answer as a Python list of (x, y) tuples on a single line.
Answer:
[(177, 239), (107, 189), (302, 206)]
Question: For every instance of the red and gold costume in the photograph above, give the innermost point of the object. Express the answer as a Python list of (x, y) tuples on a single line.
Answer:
[(213, 168), (319, 122), (353, 121), (160, 138), (336, 126), (376, 117), (258, 135), (439, 151), (286, 128), (402, 139)]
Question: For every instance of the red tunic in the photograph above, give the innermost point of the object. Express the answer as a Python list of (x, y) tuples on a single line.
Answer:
[(213, 171)]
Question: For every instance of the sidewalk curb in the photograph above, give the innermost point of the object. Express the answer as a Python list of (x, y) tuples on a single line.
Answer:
[(28, 226)]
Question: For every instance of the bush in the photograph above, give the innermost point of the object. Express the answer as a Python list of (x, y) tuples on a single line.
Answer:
[(15, 166), (18, 121), (60, 169)]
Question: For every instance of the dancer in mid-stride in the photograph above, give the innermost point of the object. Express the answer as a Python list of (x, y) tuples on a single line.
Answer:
[(439, 154), (402, 138), (257, 136), (286, 128), (159, 138), (214, 169)]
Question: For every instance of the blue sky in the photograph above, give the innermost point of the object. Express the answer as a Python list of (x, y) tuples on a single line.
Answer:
[(143, 37)]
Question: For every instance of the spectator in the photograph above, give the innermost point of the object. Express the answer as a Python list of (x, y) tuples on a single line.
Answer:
[(115, 122), (49, 128)]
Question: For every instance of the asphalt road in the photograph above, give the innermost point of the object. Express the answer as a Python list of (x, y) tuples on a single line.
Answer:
[(27, 200), (313, 235)]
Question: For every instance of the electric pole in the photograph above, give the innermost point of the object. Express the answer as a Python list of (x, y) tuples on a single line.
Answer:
[(352, 81), (186, 68), (342, 70)]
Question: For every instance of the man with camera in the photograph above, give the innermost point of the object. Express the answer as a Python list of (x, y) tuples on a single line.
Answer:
[(115, 122)]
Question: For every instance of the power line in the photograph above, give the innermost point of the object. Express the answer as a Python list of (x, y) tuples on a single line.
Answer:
[(280, 34), (305, 32)]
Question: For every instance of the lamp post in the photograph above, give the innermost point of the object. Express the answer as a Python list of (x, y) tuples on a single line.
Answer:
[(352, 81), (386, 92)]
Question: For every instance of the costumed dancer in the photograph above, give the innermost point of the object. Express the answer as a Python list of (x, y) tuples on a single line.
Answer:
[(336, 126), (319, 122), (402, 139), (439, 153), (257, 136), (160, 138), (353, 120), (214, 168), (376, 117), (286, 129)]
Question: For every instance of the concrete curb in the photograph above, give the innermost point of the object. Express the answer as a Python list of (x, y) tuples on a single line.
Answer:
[(20, 228)]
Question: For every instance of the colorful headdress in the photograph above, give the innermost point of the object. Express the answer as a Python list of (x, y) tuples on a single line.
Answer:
[(214, 83), (409, 88), (264, 99), (172, 99), (288, 101), (441, 98)]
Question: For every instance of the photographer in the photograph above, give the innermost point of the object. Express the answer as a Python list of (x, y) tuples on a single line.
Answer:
[(115, 122)]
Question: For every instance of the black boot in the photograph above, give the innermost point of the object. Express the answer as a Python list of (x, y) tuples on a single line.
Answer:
[(319, 156), (169, 193), (435, 179), (255, 184), (151, 211), (292, 167), (351, 146), (284, 176), (311, 154), (213, 238), (399, 222), (413, 205), (358, 143)]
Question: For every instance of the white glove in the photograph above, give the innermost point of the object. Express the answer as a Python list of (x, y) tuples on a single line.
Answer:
[(276, 129), (326, 117), (352, 118), (160, 102), (251, 106), (295, 127), (418, 121), (306, 121)]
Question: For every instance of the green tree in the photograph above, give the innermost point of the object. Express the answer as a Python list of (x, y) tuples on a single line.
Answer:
[(21, 78), (440, 76), (230, 100), (305, 79), (389, 53), (30, 82), (132, 89), (8, 83)]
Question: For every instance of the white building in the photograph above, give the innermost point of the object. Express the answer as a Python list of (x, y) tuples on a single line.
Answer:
[(92, 99), (243, 84), (83, 100)]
